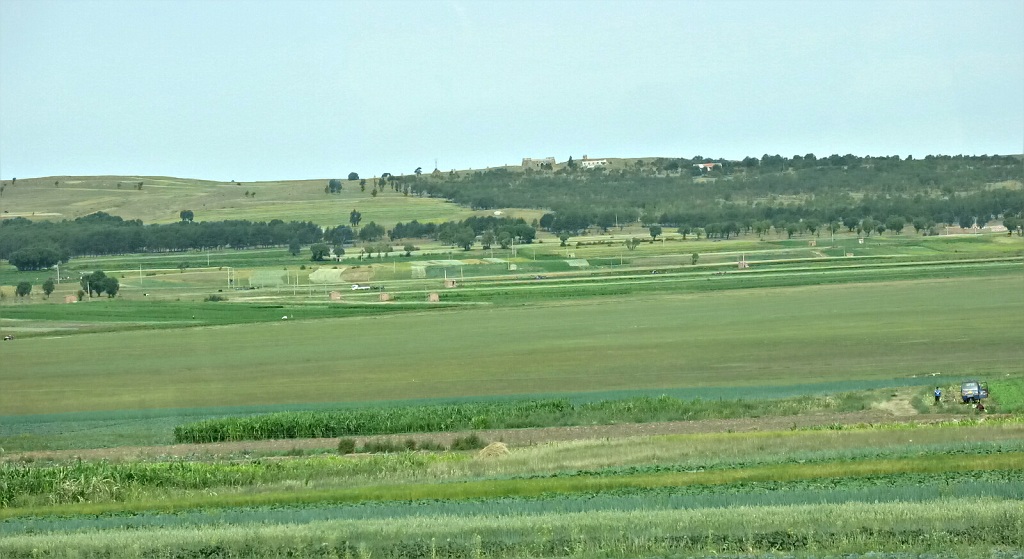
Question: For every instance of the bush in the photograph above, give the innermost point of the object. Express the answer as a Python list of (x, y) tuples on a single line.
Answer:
[(215, 298), (346, 446), (469, 442)]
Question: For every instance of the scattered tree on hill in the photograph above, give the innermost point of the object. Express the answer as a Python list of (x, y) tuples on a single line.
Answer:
[(655, 231), (487, 240), (48, 287), (563, 236), (354, 218), (186, 216), (353, 176), (371, 232), (23, 289), (632, 243), (334, 186), (694, 258), (418, 171), (408, 249)]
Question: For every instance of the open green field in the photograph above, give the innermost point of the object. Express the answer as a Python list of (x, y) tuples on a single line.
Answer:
[(652, 406), (663, 340)]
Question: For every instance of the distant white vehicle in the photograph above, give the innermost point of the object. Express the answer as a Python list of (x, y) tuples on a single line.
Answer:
[(357, 287)]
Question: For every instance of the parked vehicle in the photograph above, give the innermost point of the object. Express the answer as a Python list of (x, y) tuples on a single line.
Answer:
[(357, 287), (973, 391)]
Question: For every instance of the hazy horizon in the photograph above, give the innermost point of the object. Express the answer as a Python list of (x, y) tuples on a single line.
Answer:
[(266, 90)]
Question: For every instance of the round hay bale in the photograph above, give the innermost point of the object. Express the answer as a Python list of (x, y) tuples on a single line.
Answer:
[(493, 450)]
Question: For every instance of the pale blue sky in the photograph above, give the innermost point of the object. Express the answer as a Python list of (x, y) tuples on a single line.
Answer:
[(231, 89)]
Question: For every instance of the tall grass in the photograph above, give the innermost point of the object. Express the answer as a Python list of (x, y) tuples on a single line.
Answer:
[(497, 415)]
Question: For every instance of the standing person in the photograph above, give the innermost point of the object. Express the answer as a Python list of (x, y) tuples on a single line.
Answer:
[(938, 394)]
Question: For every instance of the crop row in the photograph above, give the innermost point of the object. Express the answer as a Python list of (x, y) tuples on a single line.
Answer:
[(81, 482), (496, 415), (952, 527), (299, 491), (908, 488)]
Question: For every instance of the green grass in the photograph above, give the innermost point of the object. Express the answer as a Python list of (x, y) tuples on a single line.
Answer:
[(162, 198), (746, 337)]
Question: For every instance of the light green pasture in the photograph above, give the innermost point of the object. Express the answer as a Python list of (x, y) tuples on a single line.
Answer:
[(747, 337)]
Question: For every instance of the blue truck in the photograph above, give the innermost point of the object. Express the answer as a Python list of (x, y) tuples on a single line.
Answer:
[(973, 391)]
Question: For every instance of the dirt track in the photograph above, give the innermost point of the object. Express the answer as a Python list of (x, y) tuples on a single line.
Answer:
[(512, 437)]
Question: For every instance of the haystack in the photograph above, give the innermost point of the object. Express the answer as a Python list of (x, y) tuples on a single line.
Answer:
[(493, 450)]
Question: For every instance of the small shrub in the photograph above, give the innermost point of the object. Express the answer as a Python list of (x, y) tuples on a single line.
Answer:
[(346, 446), (215, 298), (469, 442)]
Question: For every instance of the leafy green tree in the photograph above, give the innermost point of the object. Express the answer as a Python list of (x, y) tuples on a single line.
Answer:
[(867, 225), (318, 252), (487, 240), (1012, 224), (792, 229), (353, 176), (371, 232), (93, 283), (408, 249), (880, 227), (37, 258), (354, 218), (334, 186), (186, 216), (48, 287), (694, 258), (812, 225), (966, 221), (895, 224), (850, 223), (23, 289), (465, 237), (563, 236), (110, 286), (294, 247), (632, 243), (418, 171), (655, 231), (685, 230)]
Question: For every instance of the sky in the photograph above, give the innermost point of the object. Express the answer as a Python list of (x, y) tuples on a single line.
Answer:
[(265, 90)]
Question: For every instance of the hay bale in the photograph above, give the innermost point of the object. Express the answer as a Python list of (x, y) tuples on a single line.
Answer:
[(493, 450)]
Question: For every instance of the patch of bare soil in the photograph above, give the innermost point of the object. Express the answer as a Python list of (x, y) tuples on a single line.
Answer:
[(511, 437)]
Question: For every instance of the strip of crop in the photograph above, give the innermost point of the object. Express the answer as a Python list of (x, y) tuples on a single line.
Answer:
[(953, 527), (495, 488), (496, 415), (911, 488)]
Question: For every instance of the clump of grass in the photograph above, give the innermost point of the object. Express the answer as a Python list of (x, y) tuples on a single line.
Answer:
[(215, 298), (346, 446)]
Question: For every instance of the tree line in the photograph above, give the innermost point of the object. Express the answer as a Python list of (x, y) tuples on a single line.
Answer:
[(40, 245), (714, 194)]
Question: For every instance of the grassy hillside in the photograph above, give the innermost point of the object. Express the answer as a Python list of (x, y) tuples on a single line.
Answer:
[(162, 198)]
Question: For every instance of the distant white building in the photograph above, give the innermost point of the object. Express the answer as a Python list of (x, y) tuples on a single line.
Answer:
[(531, 163), (588, 163)]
